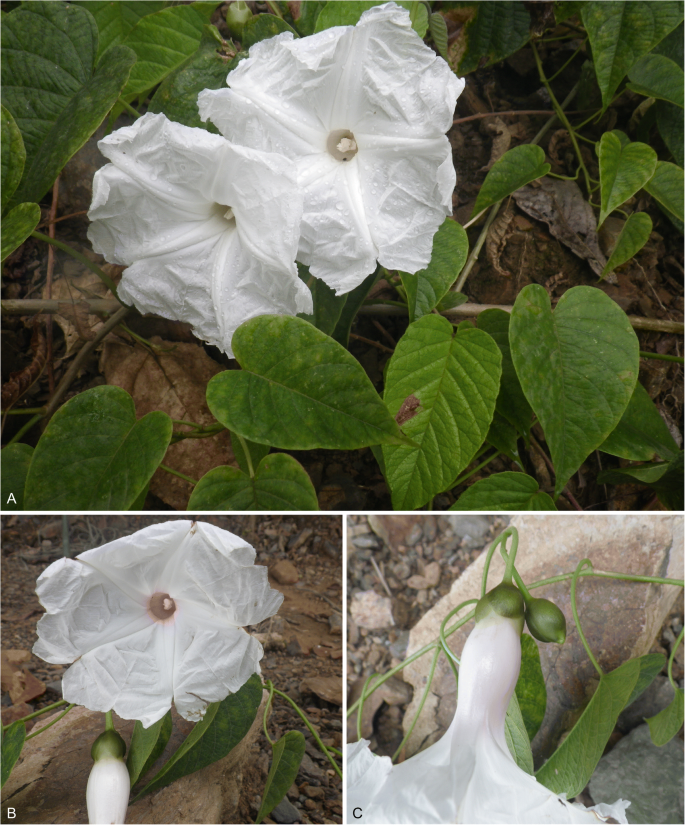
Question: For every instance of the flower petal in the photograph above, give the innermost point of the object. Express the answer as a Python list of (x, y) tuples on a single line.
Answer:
[(132, 676), (211, 660)]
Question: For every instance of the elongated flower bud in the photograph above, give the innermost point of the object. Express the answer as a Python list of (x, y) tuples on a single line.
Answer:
[(109, 784), (237, 14), (545, 621)]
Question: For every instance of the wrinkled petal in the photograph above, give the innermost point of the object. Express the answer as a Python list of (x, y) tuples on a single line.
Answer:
[(99, 618), (378, 80), (469, 775), (161, 208)]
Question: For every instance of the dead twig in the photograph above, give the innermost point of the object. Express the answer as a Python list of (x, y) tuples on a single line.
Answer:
[(381, 577)]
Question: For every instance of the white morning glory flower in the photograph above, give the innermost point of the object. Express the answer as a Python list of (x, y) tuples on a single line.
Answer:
[(208, 231), (468, 776), (155, 616), (362, 111)]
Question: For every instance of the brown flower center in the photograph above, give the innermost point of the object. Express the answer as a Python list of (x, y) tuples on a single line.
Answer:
[(341, 144), (161, 607)]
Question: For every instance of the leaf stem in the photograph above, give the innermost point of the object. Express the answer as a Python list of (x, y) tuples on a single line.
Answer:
[(270, 685), (27, 411), (128, 107), (426, 691), (574, 580), (37, 713), (176, 473), (672, 657), (33, 421), (316, 736), (675, 358), (248, 457), (50, 724), (468, 475), (106, 280)]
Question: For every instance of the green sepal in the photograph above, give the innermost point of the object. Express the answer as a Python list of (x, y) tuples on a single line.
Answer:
[(108, 745), (504, 600)]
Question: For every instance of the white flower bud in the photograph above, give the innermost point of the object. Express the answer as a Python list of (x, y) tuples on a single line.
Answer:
[(107, 792)]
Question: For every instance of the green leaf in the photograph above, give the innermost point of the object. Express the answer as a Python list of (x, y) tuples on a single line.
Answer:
[(516, 736), (116, 19), (280, 483), (17, 225), (162, 41), (12, 743), (53, 88), (624, 168), (13, 157), (207, 68), (139, 502), (451, 300), (456, 379), (494, 31), (94, 455), (666, 724), (242, 447), (511, 402), (514, 169), (298, 390), (651, 666), (223, 727), (669, 121), (667, 187), (633, 237), (578, 367), (641, 434), (656, 76), (285, 764), (530, 687), (666, 479), (563, 9), (147, 745), (348, 14), (504, 491), (621, 32), (438, 30), (309, 13), (15, 465), (426, 288), (573, 763), (673, 46), (261, 27), (327, 305)]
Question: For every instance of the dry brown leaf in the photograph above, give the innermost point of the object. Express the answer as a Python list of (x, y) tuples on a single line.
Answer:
[(501, 139), (20, 381), (174, 381), (10, 663), (73, 318), (496, 240), (561, 205)]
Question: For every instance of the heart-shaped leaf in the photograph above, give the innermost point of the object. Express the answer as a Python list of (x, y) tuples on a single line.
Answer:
[(298, 390), (666, 186), (633, 237), (17, 225), (624, 168), (444, 386), (15, 466), (94, 455), (654, 75), (285, 763), (147, 745), (13, 156), (279, 483), (578, 367), (504, 491)]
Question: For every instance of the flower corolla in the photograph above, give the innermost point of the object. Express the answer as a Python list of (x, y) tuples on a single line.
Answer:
[(469, 775), (155, 616), (208, 231), (109, 784), (362, 111)]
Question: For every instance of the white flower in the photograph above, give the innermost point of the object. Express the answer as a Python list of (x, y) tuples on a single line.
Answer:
[(107, 792), (468, 776), (363, 111), (208, 230), (154, 616)]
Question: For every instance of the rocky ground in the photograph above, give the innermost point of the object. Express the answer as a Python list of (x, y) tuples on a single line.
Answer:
[(303, 643)]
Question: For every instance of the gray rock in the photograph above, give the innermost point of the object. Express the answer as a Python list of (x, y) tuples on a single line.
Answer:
[(650, 777), (473, 526), (286, 812)]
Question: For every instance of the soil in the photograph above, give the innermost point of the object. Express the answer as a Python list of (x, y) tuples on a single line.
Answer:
[(303, 642), (519, 251)]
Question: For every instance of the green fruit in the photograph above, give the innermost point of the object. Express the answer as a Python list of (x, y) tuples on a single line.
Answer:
[(545, 621), (504, 600), (108, 744)]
